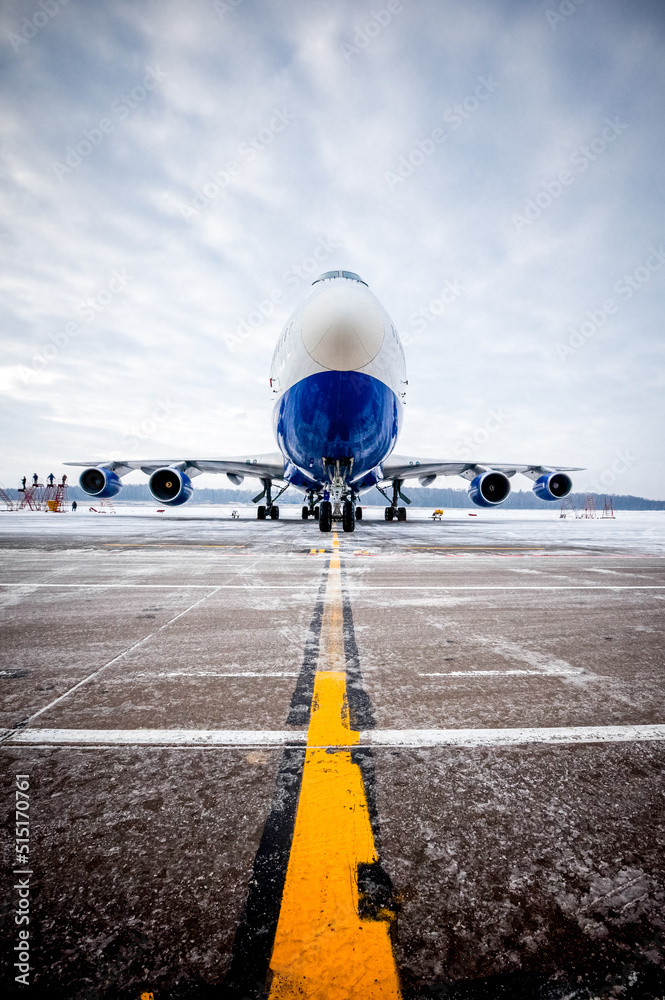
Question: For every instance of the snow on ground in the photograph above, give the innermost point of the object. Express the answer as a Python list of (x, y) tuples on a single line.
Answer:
[(629, 530)]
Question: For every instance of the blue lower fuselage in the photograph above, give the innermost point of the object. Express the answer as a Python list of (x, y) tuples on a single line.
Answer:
[(336, 415)]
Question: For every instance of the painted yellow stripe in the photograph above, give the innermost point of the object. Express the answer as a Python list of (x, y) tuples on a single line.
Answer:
[(331, 641), (323, 950)]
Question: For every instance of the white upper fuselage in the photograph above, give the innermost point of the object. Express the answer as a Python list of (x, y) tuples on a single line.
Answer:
[(340, 326)]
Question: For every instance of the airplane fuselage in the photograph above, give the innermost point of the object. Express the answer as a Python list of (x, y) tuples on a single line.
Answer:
[(339, 379)]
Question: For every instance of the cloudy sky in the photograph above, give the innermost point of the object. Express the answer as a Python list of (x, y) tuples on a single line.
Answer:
[(494, 171)]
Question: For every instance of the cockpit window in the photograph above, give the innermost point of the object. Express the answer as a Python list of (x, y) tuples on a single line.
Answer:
[(340, 274)]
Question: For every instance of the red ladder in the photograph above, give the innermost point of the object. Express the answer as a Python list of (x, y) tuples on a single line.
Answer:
[(608, 508)]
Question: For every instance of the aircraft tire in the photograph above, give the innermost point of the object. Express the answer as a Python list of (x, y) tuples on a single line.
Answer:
[(305, 513), (260, 513), (359, 513), (401, 513), (316, 513), (325, 516), (389, 513), (274, 513), (348, 520)]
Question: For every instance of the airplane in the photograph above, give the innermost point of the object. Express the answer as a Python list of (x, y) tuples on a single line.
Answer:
[(338, 383)]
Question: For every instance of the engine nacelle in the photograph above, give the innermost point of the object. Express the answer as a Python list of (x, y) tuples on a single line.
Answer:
[(100, 482), (170, 486), (553, 486), (489, 489)]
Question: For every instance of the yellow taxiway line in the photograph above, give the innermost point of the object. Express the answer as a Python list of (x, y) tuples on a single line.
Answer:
[(323, 949)]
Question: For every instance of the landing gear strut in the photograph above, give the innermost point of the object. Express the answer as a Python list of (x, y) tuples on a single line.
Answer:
[(270, 508), (310, 509), (340, 502), (393, 512)]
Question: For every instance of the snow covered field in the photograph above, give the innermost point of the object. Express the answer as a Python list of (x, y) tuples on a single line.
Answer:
[(642, 531)]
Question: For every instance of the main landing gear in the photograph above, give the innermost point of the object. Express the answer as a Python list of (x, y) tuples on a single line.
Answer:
[(393, 512), (311, 508), (269, 510)]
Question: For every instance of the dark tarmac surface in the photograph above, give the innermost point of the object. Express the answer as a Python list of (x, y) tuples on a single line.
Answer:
[(535, 870)]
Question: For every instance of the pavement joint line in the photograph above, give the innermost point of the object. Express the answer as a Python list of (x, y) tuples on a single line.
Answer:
[(358, 589), (505, 673), (207, 673), (98, 671), (198, 738), (592, 586)]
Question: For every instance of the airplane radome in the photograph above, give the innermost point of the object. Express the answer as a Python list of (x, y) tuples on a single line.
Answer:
[(338, 380)]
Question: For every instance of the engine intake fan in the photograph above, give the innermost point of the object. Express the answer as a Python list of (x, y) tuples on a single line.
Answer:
[(489, 489), (100, 482), (554, 486), (170, 486)]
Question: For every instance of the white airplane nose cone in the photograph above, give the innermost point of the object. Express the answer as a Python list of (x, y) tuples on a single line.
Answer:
[(342, 328)]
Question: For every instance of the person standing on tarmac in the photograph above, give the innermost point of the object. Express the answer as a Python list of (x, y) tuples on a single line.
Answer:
[(74, 506)]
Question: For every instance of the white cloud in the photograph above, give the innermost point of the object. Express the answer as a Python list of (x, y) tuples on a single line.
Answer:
[(323, 175)]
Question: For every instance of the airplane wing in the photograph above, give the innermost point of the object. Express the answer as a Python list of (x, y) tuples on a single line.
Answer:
[(406, 467), (269, 466)]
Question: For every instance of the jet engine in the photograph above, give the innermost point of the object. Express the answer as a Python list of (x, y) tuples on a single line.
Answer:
[(489, 489), (554, 486), (170, 486), (100, 482)]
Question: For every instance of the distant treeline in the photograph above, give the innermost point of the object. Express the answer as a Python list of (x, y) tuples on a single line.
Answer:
[(420, 497), (521, 500)]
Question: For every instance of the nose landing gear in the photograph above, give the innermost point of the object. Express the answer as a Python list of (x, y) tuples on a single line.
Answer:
[(325, 515), (348, 516)]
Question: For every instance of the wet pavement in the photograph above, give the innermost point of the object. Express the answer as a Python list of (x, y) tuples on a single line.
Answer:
[(184, 651)]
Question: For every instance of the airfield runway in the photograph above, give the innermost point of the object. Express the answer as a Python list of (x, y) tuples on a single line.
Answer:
[(421, 760)]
